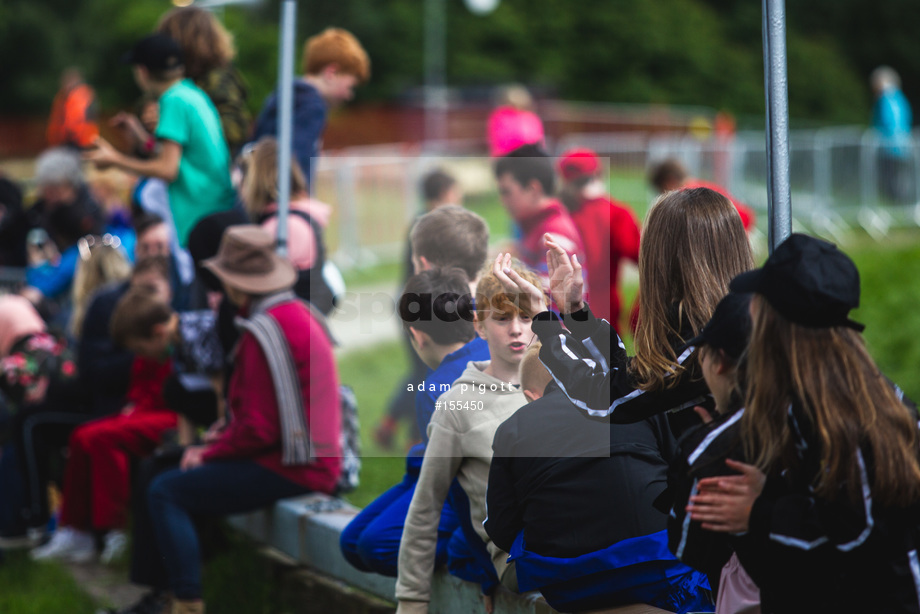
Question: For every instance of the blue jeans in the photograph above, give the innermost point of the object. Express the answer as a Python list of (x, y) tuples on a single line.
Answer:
[(370, 542), (216, 488)]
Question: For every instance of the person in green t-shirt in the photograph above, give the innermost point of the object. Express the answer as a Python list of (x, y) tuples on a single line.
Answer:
[(191, 154)]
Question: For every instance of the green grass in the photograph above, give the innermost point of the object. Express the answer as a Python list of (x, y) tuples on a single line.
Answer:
[(374, 375), (237, 579), (39, 588), (890, 306)]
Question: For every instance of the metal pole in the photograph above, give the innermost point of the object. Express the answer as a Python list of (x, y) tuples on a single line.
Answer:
[(435, 62), (285, 118), (779, 198)]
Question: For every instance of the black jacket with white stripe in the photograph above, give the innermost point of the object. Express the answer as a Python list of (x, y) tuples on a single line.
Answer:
[(810, 554), (590, 365), (575, 484), (701, 454)]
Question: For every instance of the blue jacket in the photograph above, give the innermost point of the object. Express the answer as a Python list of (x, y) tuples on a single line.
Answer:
[(892, 118), (309, 123), (437, 382)]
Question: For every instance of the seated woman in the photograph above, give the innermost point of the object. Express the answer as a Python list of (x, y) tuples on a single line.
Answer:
[(37, 376), (283, 439), (64, 212)]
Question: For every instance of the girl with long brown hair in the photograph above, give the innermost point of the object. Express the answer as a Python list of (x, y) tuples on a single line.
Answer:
[(306, 221), (827, 514), (692, 246)]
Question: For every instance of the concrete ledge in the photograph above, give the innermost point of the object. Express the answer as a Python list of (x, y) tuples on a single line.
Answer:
[(307, 529)]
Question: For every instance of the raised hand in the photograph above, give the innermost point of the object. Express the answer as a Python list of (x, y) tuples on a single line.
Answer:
[(566, 283), (528, 297)]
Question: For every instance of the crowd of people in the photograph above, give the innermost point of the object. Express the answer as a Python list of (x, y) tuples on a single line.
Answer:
[(163, 364)]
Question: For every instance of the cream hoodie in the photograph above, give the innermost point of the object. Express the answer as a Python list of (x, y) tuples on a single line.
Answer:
[(460, 445)]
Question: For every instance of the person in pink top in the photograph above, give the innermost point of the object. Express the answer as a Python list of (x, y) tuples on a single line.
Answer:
[(306, 220), (284, 436), (259, 193), (526, 182), (513, 123)]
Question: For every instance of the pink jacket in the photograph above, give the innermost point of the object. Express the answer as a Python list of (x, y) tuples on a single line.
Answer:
[(301, 242)]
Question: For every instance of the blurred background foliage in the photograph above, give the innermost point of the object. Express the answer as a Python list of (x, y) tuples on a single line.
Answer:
[(691, 52)]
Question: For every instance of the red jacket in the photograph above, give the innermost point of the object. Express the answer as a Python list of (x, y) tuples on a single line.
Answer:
[(610, 233), (747, 214), (553, 218), (255, 432)]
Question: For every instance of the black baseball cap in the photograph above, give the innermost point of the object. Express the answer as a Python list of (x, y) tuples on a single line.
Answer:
[(155, 52), (729, 329), (808, 281)]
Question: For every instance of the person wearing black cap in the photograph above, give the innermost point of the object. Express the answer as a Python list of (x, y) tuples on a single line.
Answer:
[(825, 518), (192, 156), (710, 451)]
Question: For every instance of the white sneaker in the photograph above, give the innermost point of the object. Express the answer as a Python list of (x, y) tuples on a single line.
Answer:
[(116, 542), (67, 544)]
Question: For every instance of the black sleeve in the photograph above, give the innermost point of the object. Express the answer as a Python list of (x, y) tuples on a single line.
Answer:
[(597, 381), (704, 550), (504, 515), (105, 368), (793, 526), (589, 377)]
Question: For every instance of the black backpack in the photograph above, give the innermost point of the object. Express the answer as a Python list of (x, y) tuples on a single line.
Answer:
[(311, 285)]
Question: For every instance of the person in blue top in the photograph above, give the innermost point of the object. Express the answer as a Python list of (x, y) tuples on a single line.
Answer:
[(334, 62), (892, 119), (191, 154), (64, 212), (449, 247), (371, 541)]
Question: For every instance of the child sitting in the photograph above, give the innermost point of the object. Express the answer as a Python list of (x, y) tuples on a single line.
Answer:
[(460, 446), (97, 487), (448, 237), (608, 475)]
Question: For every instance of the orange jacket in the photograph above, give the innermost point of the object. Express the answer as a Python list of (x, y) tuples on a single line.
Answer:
[(73, 118)]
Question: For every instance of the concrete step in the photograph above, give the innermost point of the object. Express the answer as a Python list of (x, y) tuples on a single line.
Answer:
[(307, 529)]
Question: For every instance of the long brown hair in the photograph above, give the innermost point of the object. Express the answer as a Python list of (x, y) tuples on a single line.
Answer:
[(260, 184), (843, 395), (692, 246), (205, 43)]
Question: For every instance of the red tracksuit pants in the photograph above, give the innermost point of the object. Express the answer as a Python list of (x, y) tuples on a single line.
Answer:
[(97, 480)]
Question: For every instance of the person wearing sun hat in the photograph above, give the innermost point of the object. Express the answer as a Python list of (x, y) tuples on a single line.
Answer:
[(609, 229), (283, 436), (825, 518)]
